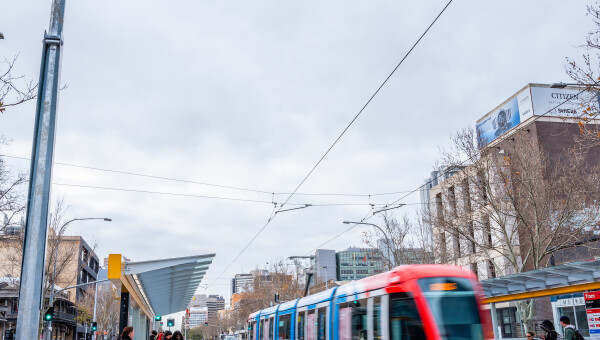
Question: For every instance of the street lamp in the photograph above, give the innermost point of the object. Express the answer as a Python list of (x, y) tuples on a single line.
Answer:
[(51, 298), (1, 35), (387, 240), (563, 85)]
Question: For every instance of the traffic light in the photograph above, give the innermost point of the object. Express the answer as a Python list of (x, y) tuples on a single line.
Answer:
[(170, 322), (158, 318), (49, 315), (206, 324), (94, 326)]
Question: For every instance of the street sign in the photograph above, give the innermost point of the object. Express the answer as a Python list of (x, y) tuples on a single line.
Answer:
[(592, 309)]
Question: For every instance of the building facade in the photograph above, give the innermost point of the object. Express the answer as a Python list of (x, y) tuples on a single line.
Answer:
[(357, 263), (214, 304), (198, 316), (77, 263), (474, 227), (242, 283)]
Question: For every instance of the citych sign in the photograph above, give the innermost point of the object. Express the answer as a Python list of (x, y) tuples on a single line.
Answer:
[(533, 100)]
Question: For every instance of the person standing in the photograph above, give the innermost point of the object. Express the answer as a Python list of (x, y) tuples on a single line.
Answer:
[(153, 335), (570, 331), (548, 328), (530, 335), (177, 335), (127, 333)]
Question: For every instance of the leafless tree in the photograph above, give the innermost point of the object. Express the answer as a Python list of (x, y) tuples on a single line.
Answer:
[(14, 89), (405, 241), (584, 71), (514, 205), (107, 309)]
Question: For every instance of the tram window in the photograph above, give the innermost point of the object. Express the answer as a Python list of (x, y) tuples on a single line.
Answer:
[(377, 318), (251, 330), (271, 325), (285, 326), (311, 321), (301, 325), (405, 322), (321, 324), (262, 335), (359, 319)]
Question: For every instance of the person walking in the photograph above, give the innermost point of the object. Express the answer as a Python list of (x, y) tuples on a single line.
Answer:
[(548, 327), (153, 335), (168, 335), (127, 333), (530, 335), (570, 332), (177, 335)]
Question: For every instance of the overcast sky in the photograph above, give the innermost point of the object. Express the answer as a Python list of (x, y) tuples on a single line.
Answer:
[(250, 94)]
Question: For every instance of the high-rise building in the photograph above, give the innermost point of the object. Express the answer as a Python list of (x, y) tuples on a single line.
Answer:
[(198, 316), (324, 265), (242, 283), (358, 263), (214, 303)]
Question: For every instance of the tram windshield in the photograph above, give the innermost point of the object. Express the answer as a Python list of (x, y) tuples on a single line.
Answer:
[(454, 307)]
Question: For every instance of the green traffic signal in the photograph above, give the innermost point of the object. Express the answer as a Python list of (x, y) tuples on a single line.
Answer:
[(94, 326), (157, 318), (49, 315), (171, 323)]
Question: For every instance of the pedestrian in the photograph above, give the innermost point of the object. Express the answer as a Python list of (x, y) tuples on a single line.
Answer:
[(530, 335), (570, 332), (127, 333), (168, 335), (548, 327), (153, 335), (161, 336), (177, 335)]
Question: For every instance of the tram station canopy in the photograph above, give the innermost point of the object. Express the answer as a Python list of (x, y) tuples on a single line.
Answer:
[(562, 279), (167, 285)]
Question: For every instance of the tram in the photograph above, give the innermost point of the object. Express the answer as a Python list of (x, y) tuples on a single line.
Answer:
[(408, 303)]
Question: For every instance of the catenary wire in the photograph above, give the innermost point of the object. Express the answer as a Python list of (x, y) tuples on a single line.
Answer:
[(210, 184), (337, 139), (216, 197)]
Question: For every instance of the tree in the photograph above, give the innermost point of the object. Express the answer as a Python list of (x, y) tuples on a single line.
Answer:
[(585, 72), (512, 206), (107, 309), (409, 241), (14, 90)]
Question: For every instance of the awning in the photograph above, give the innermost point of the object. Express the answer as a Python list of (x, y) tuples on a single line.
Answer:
[(168, 285), (563, 279)]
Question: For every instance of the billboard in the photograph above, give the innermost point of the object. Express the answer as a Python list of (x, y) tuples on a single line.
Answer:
[(504, 118), (533, 100)]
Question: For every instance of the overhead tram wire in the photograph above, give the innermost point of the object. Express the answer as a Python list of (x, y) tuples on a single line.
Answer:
[(338, 138), (218, 197), (369, 216), (128, 173)]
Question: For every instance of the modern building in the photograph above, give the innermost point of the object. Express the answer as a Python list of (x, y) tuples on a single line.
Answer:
[(536, 116), (198, 316), (357, 263), (198, 300), (214, 303), (325, 265), (242, 283)]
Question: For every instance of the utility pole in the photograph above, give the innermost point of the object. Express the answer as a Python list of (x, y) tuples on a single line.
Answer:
[(40, 176)]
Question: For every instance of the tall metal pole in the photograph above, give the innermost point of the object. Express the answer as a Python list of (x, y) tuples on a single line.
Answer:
[(40, 176), (95, 303)]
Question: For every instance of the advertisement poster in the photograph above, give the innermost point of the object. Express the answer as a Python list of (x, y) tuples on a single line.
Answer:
[(555, 102), (310, 327), (592, 309), (498, 122), (266, 330), (345, 328)]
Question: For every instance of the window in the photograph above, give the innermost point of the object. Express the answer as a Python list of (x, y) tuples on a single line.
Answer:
[(271, 325), (285, 327), (405, 322), (377, 318), (446, 296), (301, 325), (359, 319), (322, 324), (251, 330)]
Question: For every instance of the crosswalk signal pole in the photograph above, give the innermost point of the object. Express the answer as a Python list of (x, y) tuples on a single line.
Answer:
[(40, 176)]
